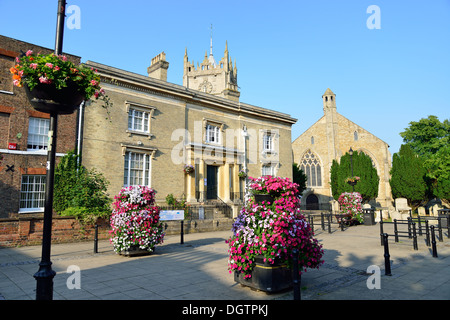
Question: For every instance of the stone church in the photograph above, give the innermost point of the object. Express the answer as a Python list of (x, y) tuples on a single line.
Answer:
[(330, 138)]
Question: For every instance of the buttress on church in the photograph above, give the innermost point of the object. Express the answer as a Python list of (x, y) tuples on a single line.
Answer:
[(330, 138)]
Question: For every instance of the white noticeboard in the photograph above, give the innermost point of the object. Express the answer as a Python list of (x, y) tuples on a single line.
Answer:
[(171, 215)]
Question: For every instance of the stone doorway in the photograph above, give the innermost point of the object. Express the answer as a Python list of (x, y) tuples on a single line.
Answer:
[(312, 202)]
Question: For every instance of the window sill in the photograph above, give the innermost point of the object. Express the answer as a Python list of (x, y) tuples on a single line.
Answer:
[(31, 210), (139, 133)]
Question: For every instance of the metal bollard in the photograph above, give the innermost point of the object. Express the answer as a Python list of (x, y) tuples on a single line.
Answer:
[(420, 226), (440, 230), (433, 242), (448, 226), (387, 262), (395, 230), (96, 239), (427, 232), (381, 231), (182, 232), (329, 223), (409, 228), (414, 237), (296, 277), (322, 220)]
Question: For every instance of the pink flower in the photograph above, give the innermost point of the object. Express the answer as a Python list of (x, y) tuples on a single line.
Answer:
[(48, 64), (29, 53), (45, 80), (94, 83), (33, 65), (56, 68)]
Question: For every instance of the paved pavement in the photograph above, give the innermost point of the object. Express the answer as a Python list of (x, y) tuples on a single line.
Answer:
[(197, 270)]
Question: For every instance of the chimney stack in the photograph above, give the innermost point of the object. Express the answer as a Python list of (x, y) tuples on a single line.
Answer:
[(158, 67)]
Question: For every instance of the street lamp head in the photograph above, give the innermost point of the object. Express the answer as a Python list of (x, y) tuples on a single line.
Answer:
[(350, 152)]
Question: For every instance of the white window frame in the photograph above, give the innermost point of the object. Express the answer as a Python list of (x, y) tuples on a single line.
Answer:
[(270, 168), (138, 120), (268, 142), (38, 133), (145, 169), (212, 134), (33, 194)]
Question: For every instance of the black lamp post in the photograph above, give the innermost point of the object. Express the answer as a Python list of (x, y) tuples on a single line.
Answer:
[(350, 152), (44, 276)]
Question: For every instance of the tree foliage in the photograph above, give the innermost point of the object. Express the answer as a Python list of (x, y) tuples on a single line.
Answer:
[(78, 191), (408, 176), (367, 186), (299, 177), (429, 138)]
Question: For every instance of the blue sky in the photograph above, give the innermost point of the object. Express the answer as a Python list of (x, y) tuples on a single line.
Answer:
[(287, 52)]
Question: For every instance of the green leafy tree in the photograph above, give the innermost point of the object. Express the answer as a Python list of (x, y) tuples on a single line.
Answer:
[(367, 186), (78, 191), (429, 138), (408, 176), (299, 177)]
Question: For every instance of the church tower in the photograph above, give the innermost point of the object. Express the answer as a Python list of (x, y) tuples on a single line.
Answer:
[(216, 78), (330, 113)]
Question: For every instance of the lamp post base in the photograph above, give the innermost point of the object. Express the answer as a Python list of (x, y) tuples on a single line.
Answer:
[(44, 281)]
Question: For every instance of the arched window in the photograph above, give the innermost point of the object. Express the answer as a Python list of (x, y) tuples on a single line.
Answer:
[(355, 136), (310, 165), (312, 140)]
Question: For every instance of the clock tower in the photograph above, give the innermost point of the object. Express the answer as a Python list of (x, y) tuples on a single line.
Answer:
[(216, 78)]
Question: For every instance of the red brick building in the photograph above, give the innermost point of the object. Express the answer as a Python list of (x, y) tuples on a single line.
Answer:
[(24, 137)]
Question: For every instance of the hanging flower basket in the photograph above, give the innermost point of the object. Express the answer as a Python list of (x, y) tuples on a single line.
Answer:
[(46, 98), (242, 174), (352, 180), (188, 169), (54, 84)]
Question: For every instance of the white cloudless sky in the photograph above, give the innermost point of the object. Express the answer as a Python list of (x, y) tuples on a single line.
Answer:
[(288, 52)]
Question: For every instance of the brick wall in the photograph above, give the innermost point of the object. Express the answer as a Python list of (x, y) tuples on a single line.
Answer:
[(15, 112), (28, 231)]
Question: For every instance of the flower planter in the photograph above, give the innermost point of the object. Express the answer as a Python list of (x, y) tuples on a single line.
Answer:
[(267, 277), (259, 198), (352, 183), (47, 98), (134, 251)]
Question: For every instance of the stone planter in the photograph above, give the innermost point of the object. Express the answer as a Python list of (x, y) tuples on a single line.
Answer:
[(135, 251), (267, 277), (46, 98), (259, 198)]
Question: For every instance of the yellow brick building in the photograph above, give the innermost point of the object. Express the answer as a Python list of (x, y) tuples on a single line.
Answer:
[(155, 128), (330, 138)]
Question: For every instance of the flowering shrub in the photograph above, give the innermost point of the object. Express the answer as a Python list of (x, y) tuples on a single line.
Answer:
[(188, 169), (350, 204), (33, 69), (272, 231), (135, 220)]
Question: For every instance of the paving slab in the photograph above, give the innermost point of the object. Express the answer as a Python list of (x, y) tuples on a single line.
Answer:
[(197, 270)]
